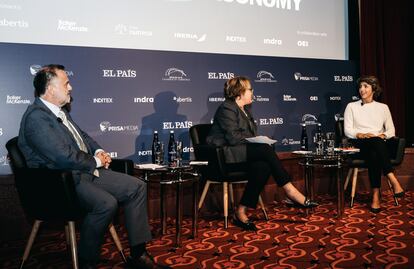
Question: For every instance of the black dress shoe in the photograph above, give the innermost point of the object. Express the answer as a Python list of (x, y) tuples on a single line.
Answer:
[(145, 261), (248, 226), (399, 194), (375, 209), (307, 204)]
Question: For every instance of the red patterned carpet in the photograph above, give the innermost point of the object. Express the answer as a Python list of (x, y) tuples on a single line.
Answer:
[(290, 239)]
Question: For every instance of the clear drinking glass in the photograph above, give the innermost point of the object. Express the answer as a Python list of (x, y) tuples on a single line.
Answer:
[(179, 157), (159, 152), (319, 142), (330, 143)]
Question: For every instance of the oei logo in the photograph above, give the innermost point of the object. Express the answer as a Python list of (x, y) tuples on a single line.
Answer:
[(265, 76), (175, 74)]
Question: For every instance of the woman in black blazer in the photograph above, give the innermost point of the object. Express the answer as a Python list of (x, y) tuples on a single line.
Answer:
[(233, 123)]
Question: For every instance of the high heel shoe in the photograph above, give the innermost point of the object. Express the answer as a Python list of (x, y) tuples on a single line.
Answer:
[(375, 209), (248, 226), (399, 194), (307, 204)]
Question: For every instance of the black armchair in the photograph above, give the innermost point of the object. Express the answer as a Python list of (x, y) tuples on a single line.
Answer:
[(217, 172), (396, 147), (49, 195)]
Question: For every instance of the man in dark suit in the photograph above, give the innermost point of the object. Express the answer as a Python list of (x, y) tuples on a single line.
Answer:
[(49, 138)]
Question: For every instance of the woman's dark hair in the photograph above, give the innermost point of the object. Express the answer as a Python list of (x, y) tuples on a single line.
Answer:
[(374, 82), (235, 87), (43, 77)]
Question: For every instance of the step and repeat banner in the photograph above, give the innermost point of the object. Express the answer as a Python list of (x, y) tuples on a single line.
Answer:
[(122, 95)]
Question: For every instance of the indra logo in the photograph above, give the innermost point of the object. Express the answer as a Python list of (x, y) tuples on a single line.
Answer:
[(144, 99), (265, 76), (106, 126), (299, 76), (195, 37), (34, 68), (309, 119), (175, 74)]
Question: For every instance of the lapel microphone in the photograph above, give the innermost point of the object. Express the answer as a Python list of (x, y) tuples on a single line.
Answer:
[(59, 120)]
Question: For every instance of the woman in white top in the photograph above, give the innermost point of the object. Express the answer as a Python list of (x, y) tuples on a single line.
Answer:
[(370, 124)]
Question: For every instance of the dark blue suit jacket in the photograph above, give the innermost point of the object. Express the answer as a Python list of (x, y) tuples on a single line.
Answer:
[(46, 142)]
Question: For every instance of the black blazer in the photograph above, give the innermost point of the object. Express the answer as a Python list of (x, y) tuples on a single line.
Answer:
[(230, 128)]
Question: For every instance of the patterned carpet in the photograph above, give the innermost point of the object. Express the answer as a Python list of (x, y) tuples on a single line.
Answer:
[(290, 239)]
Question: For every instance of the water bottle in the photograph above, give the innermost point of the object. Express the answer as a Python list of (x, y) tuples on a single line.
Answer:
[(172, 149), (154, 145), (304, 138)]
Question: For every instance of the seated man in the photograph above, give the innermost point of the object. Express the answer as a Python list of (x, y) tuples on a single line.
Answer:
[(49, 138)]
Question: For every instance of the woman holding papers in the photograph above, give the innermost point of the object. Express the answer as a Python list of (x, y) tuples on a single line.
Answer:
[(233, 126)]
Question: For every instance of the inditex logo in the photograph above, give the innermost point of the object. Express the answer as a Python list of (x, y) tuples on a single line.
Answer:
[(131, 30), (113, 154), (175, 74), (299, 76), (34, 68), (70, 26), (335, 98), (14, 23), (191, 36), (220, 75), (271, 121), (236, 39), (309, 119), (119, 73), (289, 98), (144, 99), (144, 153), (183, 99), (103, 100), (16, 100), (265, 76), (169, 125), (106, 126)]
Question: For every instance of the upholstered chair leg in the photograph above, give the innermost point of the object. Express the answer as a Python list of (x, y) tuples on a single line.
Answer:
[(67, 235), (348, 177), (392, 192), (226, 203), (263, 208), (203, 194), (29, 244), (118, 244), (231, 193), (72, 236), (354, 183)]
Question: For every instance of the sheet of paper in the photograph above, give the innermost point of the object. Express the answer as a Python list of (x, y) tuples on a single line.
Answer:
[(152, 166), (261, 139)]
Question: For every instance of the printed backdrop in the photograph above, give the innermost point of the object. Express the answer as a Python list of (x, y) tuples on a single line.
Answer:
[(122, 95)]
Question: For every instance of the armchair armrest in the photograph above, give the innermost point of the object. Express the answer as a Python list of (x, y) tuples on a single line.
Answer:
[(44, 193), (125, 166)]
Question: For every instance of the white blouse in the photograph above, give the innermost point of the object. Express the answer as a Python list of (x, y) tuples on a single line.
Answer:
[(371, 117)]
